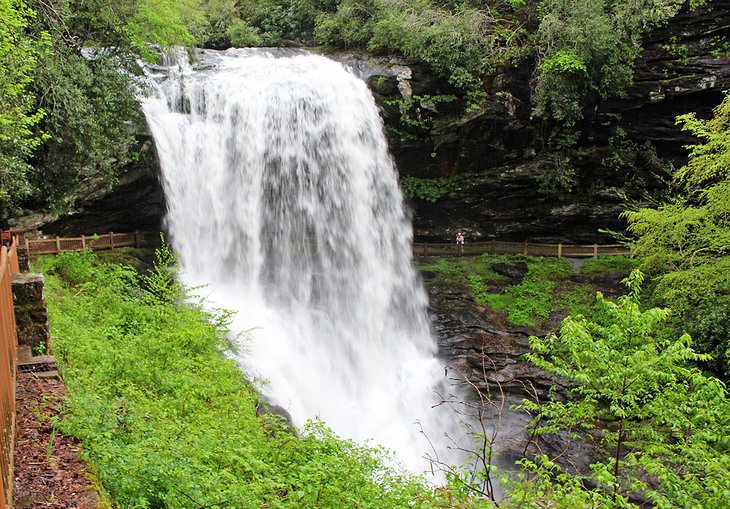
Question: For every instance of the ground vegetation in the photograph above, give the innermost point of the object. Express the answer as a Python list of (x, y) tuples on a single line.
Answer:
[(526, 290), (167, 419)]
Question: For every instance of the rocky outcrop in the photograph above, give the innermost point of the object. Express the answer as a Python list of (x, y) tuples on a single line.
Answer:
[(503, 203), (684, 67), (135, 202), (483, 345), (485, 352), (505, 156)]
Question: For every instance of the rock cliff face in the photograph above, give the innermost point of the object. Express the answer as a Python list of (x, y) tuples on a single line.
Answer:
[(484, 351), (510, 161), (515, 184), (135, 203), (684, 67)]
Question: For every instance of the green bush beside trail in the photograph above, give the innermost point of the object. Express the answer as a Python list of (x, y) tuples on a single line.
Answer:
[(166, 419)]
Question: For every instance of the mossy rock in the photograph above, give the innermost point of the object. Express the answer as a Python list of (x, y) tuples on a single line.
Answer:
[(383, 85)]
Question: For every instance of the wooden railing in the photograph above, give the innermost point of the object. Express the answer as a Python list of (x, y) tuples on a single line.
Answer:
[(109, 240), (8, 362), (525, 248), (112, 240)]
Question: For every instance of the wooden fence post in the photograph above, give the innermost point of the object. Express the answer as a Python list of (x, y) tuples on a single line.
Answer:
[(58, 244), (136, 238), (111, 239), (83, 242), (595, 250), (524, 249), (27, 246), (560, 250)]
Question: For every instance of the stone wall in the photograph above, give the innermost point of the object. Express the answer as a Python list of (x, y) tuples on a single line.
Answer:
[(23, 259), (31, 312)]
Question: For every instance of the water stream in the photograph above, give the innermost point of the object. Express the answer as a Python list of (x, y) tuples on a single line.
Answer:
[(283, 199)]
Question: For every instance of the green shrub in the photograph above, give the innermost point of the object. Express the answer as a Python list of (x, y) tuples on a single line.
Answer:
[(242, 34), (429, 189), (609, 263), (167, 419)]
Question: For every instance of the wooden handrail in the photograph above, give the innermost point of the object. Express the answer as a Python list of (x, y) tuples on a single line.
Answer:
[(136, 239), (109, 240), (525, 248), (8, 364)]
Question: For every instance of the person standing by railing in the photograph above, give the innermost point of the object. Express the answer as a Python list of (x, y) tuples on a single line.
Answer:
[(460, 243)]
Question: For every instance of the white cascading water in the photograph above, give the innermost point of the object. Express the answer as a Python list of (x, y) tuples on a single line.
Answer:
[(283, 199)]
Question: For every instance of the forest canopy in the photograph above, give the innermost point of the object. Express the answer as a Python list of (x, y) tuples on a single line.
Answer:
[(68, 118)]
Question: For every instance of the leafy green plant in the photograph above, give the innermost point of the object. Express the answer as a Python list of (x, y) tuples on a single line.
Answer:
[(610, 264), (18, 115), (683, 242), (558, 177), (677, 50), (166, 417), (635, 387), (429, 189)]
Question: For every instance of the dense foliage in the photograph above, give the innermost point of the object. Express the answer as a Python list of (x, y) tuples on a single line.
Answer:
[(82, 104), (685, 241), (662, 427), (87, 95), (429, 189), (66, 113), (586, 50), (168, 420), (18, 62)]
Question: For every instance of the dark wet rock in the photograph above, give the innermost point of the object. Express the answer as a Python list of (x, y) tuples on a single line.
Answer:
[(484, 352), (278, 411), (515, 270), (135, 203), (481, 346), (503, 204)]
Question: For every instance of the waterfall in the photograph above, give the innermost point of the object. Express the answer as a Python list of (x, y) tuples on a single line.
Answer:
[(284, 201)]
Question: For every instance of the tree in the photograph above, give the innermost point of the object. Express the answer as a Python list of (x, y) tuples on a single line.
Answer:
[(586, 51), (18, 61), (88, 95), (684, 242), (662, 425)]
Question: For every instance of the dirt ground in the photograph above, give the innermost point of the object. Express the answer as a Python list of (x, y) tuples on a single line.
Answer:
[(48, 472)]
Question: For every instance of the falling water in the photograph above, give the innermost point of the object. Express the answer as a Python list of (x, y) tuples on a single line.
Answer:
[(283, 199)]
